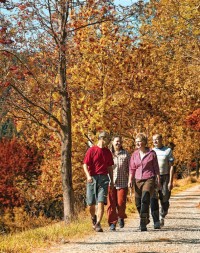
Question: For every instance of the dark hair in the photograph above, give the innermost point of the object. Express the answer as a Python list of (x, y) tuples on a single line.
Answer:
[(114, 137)]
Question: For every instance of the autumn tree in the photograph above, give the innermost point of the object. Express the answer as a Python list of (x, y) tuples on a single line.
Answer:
[(169, 35), (37, 74)]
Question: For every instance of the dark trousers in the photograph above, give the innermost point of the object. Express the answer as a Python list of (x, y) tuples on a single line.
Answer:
[(144, 190), (163, 195)]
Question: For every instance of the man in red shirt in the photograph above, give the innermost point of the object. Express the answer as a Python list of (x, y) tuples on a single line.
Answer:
[(98, 169)]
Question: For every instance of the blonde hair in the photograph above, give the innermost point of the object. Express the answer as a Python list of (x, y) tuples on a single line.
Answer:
[(142, 136)]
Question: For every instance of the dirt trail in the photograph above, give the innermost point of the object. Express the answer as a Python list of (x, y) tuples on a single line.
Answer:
[(180, 234)]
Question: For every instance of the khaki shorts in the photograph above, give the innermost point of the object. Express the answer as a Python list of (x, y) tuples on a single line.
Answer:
[(97, 190)]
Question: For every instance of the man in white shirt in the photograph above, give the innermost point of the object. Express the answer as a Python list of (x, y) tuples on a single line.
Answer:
[(165, 161)]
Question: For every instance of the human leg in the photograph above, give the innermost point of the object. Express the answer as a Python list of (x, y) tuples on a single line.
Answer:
[(154, 203), (111, 208), (91, 200), (92, 209), (144, 213), (102, 191), (138, 202), (121, 205), (100, 211), (138, 194), (121, 202), (147, 192), (164, 196)]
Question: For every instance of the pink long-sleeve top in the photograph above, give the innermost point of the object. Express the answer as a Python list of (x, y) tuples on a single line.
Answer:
[(144, 168)]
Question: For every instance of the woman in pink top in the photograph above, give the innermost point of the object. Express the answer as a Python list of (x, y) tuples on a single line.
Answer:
[(143, 171)]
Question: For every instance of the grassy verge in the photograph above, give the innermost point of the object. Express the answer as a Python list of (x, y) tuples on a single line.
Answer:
[(27, 241), (183, 184), (31, 240)]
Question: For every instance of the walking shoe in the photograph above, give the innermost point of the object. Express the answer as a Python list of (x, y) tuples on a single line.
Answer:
[(112, 227), (143, 224), (162, 222), (147, 221), (143, 228), (94, 221), (98, 228), (121, 223), (157, 225)]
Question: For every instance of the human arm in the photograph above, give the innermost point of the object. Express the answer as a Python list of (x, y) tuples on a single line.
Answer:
[(89, 178), (171, 170), (132, 169), (110, 173), (130, 180), (171, 176), (128, 163), (157, 170)]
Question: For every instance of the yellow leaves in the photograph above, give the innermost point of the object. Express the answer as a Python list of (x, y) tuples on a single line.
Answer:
[(19, 125), (56, 97)]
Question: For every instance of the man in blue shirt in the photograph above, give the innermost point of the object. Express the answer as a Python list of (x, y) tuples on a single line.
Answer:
[(165, 161)]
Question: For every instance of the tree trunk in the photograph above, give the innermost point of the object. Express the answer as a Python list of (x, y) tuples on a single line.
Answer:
[(66, 139), (188, 169), (66, 172)]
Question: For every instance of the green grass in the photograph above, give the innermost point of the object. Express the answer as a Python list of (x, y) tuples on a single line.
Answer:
[(34, 240)]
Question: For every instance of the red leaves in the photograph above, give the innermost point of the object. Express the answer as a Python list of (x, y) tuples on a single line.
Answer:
[(17, 160), (4, 37), (4, 84), (27, 72), (19, 74), (3, 29), (6, 41), (193, 120), (6, 54), (13, 68), (22, 7), (91, 39), (3, 1)]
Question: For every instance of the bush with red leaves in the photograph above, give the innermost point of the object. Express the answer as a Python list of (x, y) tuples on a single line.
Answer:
[(19, 163), (193, 120)]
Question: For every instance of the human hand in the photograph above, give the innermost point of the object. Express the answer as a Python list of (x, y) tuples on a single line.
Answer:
[(170, 186), (89, 179), (130, 183), (159, 186), (111, 185)]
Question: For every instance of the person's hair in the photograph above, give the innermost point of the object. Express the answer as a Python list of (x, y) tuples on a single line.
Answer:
[(158, 135), (103, 134), (142, 136), (114, 137)]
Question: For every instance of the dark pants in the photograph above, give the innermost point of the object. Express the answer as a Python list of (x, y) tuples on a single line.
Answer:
[(144, 190), (163, 195)]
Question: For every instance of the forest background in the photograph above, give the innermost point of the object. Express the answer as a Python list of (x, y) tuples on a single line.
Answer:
[(70, 69)]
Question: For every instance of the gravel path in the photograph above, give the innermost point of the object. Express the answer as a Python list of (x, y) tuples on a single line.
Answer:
[(180, 234)]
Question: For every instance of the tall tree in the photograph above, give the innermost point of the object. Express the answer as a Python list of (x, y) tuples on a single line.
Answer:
[(37, 74), (170, 29)]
